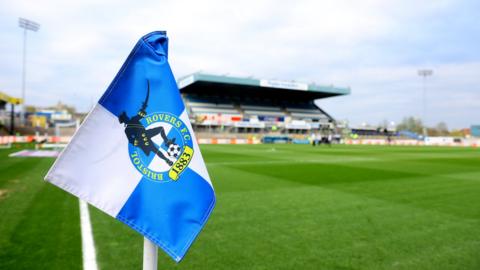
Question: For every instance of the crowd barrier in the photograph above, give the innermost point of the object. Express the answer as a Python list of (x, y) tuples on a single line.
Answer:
[(228, 141), (30, 139), (65, 139), (462, 143)]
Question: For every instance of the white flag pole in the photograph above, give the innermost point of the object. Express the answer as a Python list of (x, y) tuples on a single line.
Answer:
[(150, 255)]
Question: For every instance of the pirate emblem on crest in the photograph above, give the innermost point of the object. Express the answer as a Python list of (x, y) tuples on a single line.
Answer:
[(160, 144)]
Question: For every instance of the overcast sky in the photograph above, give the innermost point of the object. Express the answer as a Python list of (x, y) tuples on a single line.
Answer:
[(374, 47)]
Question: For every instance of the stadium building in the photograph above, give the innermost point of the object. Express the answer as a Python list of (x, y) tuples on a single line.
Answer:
[(227, 105), (475, 131)]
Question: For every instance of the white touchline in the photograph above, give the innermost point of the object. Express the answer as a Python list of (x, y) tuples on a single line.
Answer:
[(88, 245)]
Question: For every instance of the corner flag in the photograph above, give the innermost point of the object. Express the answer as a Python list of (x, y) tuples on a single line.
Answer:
[(136, 158)]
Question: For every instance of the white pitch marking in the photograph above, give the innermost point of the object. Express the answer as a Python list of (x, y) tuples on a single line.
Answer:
[(88, 245)]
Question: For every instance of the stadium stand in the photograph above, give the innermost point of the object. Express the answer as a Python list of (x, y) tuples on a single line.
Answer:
[(234, 105), (475, 131)]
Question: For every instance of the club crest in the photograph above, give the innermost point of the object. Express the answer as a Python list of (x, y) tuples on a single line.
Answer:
[(159, 144)]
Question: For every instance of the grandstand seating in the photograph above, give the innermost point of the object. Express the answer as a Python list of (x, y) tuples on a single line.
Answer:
[(261, 108), (251, 110), (213, 110), (264, 113), (224, 104), (313, 116), (253, 115)]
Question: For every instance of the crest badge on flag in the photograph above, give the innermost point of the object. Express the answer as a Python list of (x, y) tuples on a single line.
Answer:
[(136, 158)]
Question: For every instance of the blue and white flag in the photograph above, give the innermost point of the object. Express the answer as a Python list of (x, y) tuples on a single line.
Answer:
[(135, 156)]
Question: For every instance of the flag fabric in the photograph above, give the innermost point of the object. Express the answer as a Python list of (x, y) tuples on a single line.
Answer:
[(135, 156)]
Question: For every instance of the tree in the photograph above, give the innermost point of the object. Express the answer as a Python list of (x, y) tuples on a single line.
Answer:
[(442, 129), (30, 108), (457, 133), (411, 124), (383, 124)]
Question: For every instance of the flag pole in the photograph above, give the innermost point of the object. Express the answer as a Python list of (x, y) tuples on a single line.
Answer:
[(150, 255)]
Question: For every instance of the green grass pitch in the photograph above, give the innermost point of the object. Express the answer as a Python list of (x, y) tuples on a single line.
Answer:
[(278, 207)]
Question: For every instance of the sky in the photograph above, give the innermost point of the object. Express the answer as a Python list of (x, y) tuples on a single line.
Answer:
[(373, 47)]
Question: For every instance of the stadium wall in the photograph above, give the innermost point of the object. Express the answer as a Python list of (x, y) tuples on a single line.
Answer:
[(432, 141)]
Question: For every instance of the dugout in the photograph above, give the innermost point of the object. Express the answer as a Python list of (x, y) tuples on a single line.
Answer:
[(247, 105), (8, 118)]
